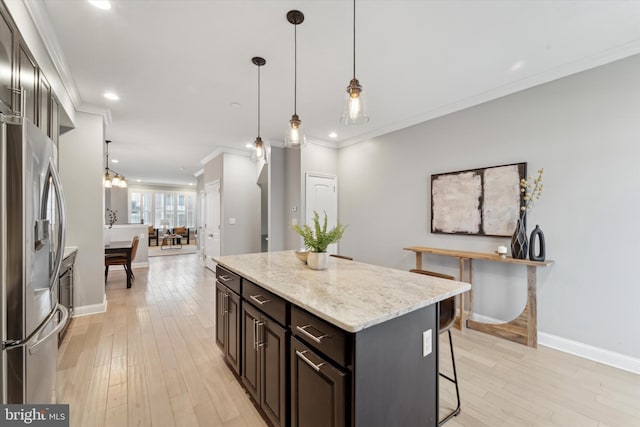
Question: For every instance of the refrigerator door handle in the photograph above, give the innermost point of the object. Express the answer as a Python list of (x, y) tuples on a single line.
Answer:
[(63, 224), (8, 345), (61, 324)]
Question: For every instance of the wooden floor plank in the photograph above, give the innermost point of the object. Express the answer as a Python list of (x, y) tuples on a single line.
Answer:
[(151, 360)]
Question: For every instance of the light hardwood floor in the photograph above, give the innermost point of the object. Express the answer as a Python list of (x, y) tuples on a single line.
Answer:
[(151, 359)]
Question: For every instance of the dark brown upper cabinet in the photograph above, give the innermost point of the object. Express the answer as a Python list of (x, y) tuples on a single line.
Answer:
[(7, 43), (27, 75), (44, 103)]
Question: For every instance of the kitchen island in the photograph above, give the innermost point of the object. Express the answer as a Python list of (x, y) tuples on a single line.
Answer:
[(354, 345)]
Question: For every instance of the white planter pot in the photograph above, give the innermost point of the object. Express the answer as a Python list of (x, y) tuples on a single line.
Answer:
[(318, 260)]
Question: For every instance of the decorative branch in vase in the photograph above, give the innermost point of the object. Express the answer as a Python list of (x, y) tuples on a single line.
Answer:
[(113, 216), (317, 240), (530, 191)]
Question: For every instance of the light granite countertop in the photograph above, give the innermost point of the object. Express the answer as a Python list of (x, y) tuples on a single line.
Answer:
[(351, 295)]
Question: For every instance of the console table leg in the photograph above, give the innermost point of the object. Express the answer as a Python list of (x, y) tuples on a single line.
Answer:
[(419, 260), (532, 305)]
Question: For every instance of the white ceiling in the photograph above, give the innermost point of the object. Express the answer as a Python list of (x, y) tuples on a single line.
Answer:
[(178, 65)]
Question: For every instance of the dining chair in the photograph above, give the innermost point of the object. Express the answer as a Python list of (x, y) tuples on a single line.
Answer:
[(446, 318), (121, 259)]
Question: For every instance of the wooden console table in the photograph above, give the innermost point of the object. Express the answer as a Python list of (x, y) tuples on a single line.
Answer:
[(524, 328)]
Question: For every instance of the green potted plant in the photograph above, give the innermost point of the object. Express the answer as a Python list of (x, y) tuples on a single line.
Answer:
[(317, 240)]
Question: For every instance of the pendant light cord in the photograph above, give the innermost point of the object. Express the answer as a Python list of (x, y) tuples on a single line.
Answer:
[(258, 101), (354, 39), (295, 68)]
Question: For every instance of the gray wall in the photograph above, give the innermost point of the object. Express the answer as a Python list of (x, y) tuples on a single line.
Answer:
[(81, 169), (584, 130), (293, 196), (277, 192), (117, 199), (240, 199)]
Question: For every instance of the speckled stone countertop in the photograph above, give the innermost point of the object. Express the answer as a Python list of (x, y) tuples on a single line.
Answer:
[(351, 295)]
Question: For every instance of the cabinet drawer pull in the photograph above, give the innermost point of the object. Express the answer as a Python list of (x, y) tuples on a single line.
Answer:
[(318, 339), (301, 355), (257, 299), (225, 278)]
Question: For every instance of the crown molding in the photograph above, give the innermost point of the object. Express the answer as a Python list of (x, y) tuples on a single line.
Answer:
[(561, 71), (198, 172), (94, 109), (40, 17), (222, 150)]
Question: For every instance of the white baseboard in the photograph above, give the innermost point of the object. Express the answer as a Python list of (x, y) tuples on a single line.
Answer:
[(88, 310), (586, 351)]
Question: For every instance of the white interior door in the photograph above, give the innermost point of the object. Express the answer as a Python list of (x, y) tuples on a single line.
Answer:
[(212, 224), (322, 196)]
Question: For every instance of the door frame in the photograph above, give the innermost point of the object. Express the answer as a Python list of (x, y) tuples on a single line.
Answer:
[(215, 183)]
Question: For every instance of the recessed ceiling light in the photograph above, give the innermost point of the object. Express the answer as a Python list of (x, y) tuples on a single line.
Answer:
[(138, 180), (235, 105), (101, 4), (115, 161), (191, 183), (112, 96), (249, 145), (518, 65), (333, 135)]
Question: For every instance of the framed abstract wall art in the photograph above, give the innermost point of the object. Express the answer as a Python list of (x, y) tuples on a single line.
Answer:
[(484, 202)]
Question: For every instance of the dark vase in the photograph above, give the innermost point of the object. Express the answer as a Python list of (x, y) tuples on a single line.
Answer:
[(519, 241), (539, 235)]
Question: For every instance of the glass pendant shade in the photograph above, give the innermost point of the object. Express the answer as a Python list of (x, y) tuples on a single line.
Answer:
[(123, 183), (258, 145), (107, 180), (354, 111), (116, 181), (294, 135)]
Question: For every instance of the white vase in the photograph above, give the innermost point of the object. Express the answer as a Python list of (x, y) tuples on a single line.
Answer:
[(318, 260), (106, 236)]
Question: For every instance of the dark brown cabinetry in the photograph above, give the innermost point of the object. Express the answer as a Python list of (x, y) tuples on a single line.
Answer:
[(264, 362), (7, 43), (302, 370), (27, 78), (228, 308), (44, 104), (318, 389), (65, 289)]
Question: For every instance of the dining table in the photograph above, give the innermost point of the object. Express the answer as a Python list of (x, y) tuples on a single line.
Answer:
[(121, 248)]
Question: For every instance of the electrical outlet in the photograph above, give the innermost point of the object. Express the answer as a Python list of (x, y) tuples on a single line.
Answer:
[(294, 221), (232, 221), (426, 343)]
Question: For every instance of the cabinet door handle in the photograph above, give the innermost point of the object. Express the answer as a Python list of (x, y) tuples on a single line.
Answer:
[(225, 278), (255, 334), (260, 335), (301, 355), (257, 299), (226, 304), (318, 339)]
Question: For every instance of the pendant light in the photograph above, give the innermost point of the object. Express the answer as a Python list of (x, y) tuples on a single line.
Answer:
[(258, 145), (107, 177), (294, 136), (118, 180), (354, 111)]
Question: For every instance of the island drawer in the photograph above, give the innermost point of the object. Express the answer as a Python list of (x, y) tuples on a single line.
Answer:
[(316, 332), (229, 279), (267, 302)]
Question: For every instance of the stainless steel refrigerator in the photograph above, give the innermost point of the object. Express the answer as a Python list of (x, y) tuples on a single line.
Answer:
[(32, 232)]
